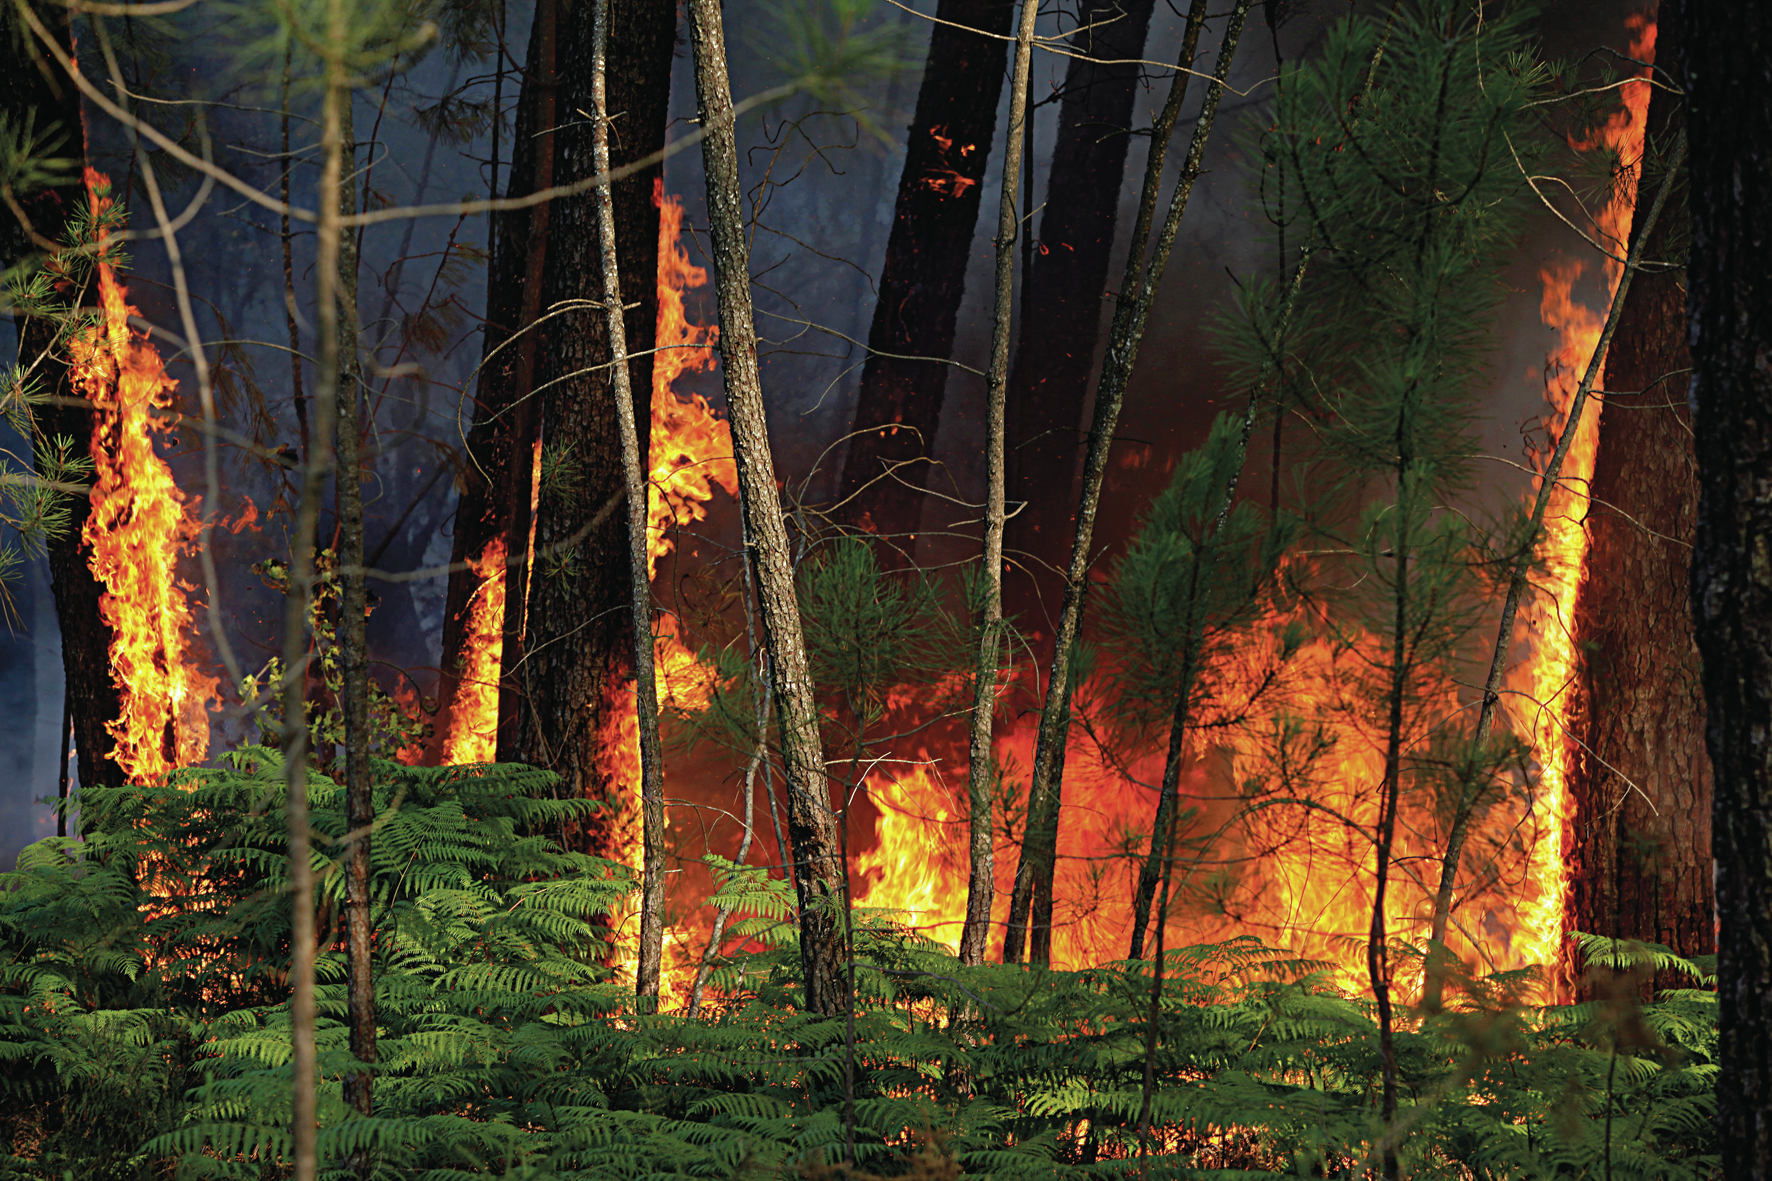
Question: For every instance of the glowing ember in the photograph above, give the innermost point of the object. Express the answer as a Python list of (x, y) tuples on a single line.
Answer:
[(138, 528), (473, 720)]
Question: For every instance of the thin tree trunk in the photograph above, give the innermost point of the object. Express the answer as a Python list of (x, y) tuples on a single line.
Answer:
[(1730, 318), (353, 644), (812, 826), (1162, 835), (576, 654), (1132, 309), (982, 762), (634, 475), (32, 78), (299, 398), (1461, 818), (1061, 318), (1378, 965), (1639, 777), (296, 650), (923, 279)]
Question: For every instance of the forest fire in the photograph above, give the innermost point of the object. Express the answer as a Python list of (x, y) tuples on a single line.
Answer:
[(138, 529), (1302, 878)]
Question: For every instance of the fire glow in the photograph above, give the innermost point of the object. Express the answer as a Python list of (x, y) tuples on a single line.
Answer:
[(138, 528), (1545, 680)]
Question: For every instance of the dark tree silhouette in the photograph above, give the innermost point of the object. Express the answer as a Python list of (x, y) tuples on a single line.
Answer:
[(924, 275), (495, 472), (1728, 55), (1061, 321)]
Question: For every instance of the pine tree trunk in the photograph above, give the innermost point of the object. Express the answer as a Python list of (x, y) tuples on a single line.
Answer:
[(493, 505), (353, 645), (92, 697), (1062, 318), (1726, 49), (812, 825), (1639, 776), (924, 276), (575, 661), (981, 759), (634, 478)]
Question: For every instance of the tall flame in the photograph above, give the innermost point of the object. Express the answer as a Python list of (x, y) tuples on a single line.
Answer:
[(690, 454), (1546, 679), (138, 527)]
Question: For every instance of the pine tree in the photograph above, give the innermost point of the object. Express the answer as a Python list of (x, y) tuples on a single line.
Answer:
[(1394, 147)]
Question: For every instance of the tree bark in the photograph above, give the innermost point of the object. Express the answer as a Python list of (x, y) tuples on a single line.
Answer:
[(634, 478), (898, 407), (1728, 59), (493, 505), (981, 760), (573, 664), (1061, 321), (1138, 289), (33, 79), (818, 867), (353, 646), (1639, 777)]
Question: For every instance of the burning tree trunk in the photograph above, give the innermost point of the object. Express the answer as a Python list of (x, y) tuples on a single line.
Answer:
[(1725, 48), (577, 623), (492, 514), (818, 868), (1640, 778), (1062, 319), (924, 275), (33, 82)]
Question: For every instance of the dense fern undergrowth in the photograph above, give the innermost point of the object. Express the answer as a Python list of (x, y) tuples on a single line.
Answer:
[(144, 1027)]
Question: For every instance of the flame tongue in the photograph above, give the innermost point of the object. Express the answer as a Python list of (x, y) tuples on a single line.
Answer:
[(473, 719), (139, 525)]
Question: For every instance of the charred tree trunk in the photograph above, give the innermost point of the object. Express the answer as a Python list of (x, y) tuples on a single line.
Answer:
[(32, 80), (924, 275), (494, 496), (1062, 320), (1640, 778), (573, 665), (1728, 58)]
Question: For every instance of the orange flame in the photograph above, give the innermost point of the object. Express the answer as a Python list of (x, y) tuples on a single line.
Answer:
[(473, 718), (137, 529), (1306, 879), (690, 454), (1546, 623)]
